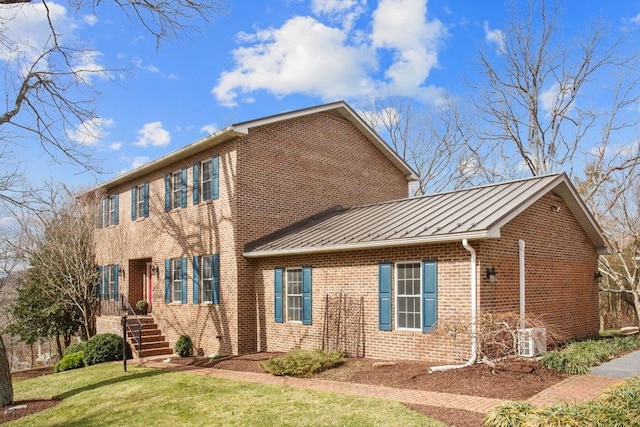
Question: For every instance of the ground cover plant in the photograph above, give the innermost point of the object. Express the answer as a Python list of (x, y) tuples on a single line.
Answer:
[(304, 363), (578, 357), (104, 395), (620, 406)]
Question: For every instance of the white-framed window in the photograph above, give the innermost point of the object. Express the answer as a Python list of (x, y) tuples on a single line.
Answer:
[(207, 279), (108, 211), (177, 276), (176, 189), (408, 295), (141, 200), (294, 294), (112, 281), (207, 179)]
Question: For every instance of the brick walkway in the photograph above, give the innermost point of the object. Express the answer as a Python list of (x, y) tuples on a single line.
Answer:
[(574, 389)]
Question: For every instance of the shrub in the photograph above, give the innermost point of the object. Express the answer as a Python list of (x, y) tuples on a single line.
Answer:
[(70, 361), (578, 357), (74, 348), (184, 346), (304, 363), (103, 348), (142, 306)]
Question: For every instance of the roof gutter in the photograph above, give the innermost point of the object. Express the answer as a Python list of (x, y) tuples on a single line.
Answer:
[(484, 234), (474, 315)]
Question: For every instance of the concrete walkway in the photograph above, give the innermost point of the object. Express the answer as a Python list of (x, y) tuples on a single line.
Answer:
[(574, 389)]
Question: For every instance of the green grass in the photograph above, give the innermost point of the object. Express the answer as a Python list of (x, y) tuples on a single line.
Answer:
[(103, 395)]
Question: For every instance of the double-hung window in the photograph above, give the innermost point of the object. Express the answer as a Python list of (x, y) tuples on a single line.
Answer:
[(175, 280), (206, 279), (408, 292), (206, 180), (413, 302), (140, 201), (109, 282), (108, 212), (294, 295), (175, 190)]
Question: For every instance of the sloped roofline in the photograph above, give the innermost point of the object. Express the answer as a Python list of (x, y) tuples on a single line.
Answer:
[(243, 128), (558, 184)]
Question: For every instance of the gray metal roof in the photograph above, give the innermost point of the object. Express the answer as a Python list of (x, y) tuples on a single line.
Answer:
[(475, 213)]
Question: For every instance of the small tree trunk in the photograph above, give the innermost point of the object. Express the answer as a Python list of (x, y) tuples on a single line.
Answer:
[(59, 347), (6, 387)]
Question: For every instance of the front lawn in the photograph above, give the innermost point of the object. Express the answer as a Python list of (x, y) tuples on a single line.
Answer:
[(103, 395)]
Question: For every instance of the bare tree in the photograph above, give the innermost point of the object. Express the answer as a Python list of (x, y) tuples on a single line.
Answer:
[(540, 97), (438, 143), (48, 82)]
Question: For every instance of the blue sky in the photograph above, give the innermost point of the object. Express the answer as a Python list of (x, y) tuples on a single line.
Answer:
[(269, 56)]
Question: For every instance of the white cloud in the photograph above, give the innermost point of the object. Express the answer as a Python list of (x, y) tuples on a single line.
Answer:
[(115, 146), (636, 19), (153, 134), (494, 36), (209, 129), (91, 131), (310, 57), (139, 161), (26, 35), (345, 12), (90, 20), (555, 97)]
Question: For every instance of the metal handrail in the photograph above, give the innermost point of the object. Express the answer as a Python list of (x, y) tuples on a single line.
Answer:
[(124, 305)]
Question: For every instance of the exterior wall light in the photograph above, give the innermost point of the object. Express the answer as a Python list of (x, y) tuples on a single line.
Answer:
[(492, 275), (155, 270)]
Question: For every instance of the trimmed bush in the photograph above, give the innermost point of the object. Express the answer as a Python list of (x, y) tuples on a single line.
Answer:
[(184, 346), (74, 348), (103, 348), (304, 363), (70, 361)]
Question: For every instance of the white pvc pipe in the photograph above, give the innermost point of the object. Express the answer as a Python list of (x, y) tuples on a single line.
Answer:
[(521, 264), (474, 299)]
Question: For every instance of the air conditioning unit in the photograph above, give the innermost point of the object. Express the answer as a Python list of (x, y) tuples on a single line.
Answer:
[(532, 342)]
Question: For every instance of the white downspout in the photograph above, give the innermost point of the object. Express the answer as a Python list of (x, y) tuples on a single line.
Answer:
[(521, 265), (474, 299)]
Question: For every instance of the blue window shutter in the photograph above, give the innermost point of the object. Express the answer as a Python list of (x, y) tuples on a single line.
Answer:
[(196, 279), (216, 279), (167, 192), (277, 282), (146, 199), (183, 282), (116, 208), (134, 203), (306, 296), (105, 282), (196, 183), (183, 188), (215, 174), (100, 281), (115, 271), (429, 294), (167, 280), (384, 296)]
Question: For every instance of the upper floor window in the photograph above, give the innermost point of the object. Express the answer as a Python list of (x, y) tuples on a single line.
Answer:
[(175, 194), (140, 201), (108, 211), (206, 180)]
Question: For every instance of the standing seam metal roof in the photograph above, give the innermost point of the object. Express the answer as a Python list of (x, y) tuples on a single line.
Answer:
[(473, 213)]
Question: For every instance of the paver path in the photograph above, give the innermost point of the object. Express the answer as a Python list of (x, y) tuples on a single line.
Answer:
[(571, 390)]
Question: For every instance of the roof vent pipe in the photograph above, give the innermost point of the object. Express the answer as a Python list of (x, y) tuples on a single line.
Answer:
[(474, 315)]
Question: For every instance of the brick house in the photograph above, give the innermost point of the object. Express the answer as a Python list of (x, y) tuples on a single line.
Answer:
[(256, 237)]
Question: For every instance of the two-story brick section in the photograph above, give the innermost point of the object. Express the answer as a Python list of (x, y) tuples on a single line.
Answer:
[(294, 230)]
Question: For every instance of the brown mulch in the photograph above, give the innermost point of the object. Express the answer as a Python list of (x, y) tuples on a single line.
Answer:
[(511, 379)]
